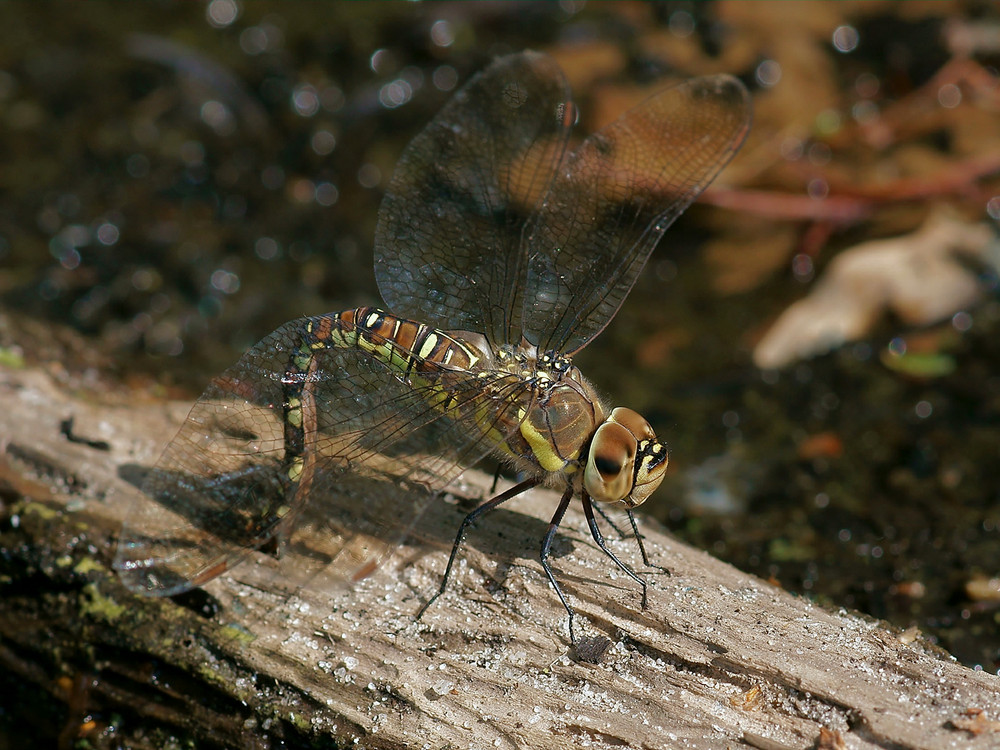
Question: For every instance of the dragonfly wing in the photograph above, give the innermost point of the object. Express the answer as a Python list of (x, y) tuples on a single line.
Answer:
[(377, 446), (448, 245), (614, 198), (205, 505)]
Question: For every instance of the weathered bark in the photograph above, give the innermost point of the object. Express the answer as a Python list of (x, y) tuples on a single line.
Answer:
[(719, 659)]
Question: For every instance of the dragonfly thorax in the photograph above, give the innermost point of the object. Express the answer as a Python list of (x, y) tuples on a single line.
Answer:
[(526, 362), (556, 423)]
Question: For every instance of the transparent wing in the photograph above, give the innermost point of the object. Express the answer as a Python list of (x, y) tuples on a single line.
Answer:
[(448, 245), (613, 199), (375, 451)]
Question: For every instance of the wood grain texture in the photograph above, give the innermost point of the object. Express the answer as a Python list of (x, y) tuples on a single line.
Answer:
[(720, 659)]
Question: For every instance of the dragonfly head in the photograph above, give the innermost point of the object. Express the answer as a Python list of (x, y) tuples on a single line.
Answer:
[(626, 462)]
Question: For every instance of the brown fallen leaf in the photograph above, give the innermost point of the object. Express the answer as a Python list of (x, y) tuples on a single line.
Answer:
[(918, 277)]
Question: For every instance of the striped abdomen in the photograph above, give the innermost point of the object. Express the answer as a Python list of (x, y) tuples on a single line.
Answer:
[(414, 352), (405, 345)]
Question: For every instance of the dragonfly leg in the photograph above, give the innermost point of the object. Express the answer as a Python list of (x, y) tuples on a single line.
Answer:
[(621, 532), (467, 522), (642, 546), (588, 510), (557, 518), (496, 479)]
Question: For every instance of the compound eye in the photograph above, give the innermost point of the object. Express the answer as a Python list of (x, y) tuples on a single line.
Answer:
[(633, 422), (609, 467), (611, 464)]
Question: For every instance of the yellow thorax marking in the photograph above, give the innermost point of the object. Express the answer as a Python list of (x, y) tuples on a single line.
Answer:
[(541, 447)]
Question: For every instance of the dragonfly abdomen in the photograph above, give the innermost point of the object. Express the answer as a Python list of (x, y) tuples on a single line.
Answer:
[(405, 346), (414, 352)]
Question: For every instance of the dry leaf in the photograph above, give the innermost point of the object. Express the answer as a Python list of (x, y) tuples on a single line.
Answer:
[(917, 276)]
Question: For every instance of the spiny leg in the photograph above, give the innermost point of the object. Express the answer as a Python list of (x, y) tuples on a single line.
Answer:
[(611, 522), (635, 533), (642, 546), (470, 519), (588, 510), (557, 518)]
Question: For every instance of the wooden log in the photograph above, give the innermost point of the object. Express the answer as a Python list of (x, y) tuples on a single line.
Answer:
[(719, 659)]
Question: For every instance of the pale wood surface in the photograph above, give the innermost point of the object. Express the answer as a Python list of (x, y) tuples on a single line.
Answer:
[(488, 666)]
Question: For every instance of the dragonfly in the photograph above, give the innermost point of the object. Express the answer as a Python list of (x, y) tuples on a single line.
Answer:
[(500, 251)]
